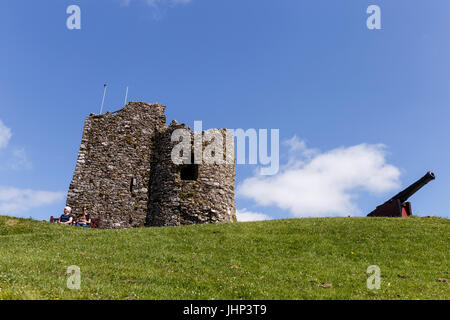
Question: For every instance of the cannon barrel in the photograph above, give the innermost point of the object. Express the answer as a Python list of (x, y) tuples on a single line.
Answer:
[(416, 186)]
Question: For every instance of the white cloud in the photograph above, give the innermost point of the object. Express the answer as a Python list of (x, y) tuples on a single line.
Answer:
[(14, 158), (156, 3), (244, 215), (158, 8), (5, 135), (15, 201), (319, 184), (19, 160)]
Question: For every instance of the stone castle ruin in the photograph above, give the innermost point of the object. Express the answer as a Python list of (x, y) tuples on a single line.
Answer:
[(125, 175)]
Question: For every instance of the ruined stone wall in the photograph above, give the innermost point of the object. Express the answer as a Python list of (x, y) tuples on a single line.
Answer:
[(126, 177), (112, 172), (173, 201)]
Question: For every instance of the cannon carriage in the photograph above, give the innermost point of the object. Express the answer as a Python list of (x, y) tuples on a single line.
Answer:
[(398, 206)]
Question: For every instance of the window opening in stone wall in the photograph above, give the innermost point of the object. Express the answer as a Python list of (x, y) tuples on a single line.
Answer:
[(189, 171), (132, 184)]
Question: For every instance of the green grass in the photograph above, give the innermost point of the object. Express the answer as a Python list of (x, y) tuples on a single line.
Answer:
[(283, 259)]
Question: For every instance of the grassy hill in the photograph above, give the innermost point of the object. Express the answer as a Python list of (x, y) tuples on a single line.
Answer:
[(286, 259)]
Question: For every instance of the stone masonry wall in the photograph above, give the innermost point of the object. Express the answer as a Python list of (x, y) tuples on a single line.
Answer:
[(126, 177), (173, 201), (112, 172)]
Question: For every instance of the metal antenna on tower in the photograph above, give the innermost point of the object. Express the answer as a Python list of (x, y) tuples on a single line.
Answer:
[(103, 100), (126, 96)]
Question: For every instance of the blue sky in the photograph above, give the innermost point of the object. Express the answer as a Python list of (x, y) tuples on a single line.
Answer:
[(335, 89)]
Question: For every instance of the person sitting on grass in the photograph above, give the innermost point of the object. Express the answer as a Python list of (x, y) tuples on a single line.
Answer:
[(84, 220), (67, 217)]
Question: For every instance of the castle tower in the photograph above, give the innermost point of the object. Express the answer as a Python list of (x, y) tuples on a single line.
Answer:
[(125, 176), (183, 194), (112, 173)]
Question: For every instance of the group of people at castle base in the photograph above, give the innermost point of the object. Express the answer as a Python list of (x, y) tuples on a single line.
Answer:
[(83, 221)]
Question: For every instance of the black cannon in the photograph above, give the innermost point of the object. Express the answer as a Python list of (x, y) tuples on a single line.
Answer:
[(397, 205)]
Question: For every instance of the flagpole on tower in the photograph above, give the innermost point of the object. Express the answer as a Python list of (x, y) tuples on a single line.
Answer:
[(126, 96), (103, 100)]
